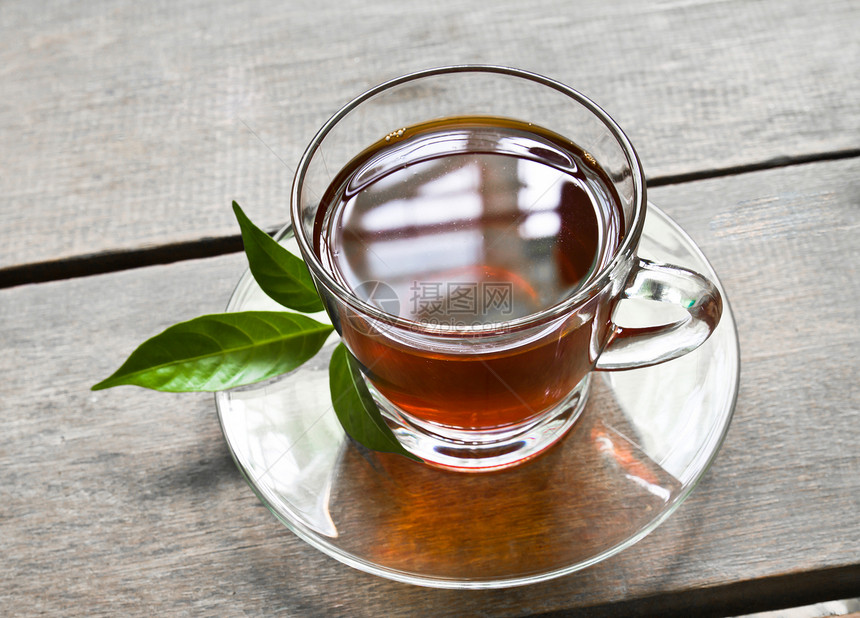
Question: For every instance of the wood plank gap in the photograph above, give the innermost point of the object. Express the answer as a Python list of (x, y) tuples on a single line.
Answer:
[(776, 162), (113, 261), (739, 598)]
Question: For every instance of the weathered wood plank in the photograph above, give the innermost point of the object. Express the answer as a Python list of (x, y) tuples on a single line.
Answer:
[(127, 501), (126, 125)]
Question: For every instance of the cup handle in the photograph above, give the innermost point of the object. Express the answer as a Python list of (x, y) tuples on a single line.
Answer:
[(632, 347)]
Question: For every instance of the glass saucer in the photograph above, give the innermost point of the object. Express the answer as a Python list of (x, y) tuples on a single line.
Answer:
[(642, 443)]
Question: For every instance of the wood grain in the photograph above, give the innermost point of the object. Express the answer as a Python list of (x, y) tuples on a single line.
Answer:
[(127, 501), (126, 125)]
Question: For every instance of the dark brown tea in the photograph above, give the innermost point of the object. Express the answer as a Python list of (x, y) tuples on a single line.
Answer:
[(459, 224)]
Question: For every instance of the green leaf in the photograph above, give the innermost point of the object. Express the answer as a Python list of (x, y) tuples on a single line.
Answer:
[(217, 352), (279, 273), (355, 408)]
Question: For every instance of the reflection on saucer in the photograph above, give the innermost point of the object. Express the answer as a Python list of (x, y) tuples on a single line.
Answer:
[(577, 500)]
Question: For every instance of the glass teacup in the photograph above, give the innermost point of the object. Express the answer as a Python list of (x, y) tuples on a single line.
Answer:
[(472, 230)]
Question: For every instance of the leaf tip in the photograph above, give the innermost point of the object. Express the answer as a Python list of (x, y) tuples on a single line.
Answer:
[(104, 384), (241, 217)]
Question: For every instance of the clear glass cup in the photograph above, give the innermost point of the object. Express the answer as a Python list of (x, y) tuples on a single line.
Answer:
[(489, 395)]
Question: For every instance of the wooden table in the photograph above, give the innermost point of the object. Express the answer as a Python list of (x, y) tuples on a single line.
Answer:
[(126, 129)]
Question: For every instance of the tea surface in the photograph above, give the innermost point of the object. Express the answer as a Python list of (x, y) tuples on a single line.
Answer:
[(468, 221)]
